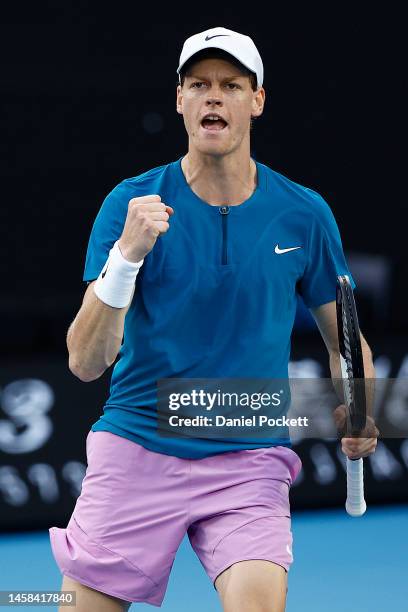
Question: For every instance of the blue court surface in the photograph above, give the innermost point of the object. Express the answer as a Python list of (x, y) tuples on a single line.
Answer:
[(341, 563)]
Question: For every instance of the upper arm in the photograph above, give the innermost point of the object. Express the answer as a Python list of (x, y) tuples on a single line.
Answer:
[(326, 320), (325, 259)]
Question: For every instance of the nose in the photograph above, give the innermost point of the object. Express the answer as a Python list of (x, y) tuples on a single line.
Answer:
[(214, 96), (214, 101)]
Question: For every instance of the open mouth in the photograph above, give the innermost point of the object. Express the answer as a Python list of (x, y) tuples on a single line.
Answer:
[(213, 122)]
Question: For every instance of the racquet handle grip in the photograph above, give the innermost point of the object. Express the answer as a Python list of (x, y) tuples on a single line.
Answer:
[(355, 503)]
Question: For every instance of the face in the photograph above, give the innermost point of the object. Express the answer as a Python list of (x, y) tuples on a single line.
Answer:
[(217, 103)]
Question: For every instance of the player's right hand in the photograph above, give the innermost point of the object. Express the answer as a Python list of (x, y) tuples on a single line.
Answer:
[(147, 218)]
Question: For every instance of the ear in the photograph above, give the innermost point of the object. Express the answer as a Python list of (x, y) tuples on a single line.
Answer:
[(179, 100), (258, 102)]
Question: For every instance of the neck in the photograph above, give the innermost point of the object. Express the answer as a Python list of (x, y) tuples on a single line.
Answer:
[(220, 180)]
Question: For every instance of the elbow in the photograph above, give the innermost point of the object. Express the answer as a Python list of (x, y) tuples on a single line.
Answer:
[(84, 374)]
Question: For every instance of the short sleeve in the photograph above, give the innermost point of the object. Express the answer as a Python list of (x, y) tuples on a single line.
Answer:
[(325, 259), (107, 228)]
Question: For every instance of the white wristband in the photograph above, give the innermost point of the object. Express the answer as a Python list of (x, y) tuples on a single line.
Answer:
[(115, 283)]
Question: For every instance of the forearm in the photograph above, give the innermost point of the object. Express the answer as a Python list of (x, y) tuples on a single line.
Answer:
[(369, 374), (354, 448), (365, 445), (94, 338)]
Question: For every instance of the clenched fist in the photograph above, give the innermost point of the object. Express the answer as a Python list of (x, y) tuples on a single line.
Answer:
[(356, 448), (147, 218)]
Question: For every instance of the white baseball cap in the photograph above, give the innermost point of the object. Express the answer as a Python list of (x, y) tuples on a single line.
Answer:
[(238, 45)]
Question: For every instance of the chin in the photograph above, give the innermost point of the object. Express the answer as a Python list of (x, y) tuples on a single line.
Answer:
[(217, 149)]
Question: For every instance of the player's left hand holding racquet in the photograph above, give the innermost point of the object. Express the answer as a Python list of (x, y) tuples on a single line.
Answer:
[(356, 448), (352, 419)]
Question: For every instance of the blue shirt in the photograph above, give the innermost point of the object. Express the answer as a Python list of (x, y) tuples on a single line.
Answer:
[(216, 296)]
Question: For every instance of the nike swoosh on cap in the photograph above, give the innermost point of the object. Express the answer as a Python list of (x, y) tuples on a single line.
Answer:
[(279, 251), (215, 36)]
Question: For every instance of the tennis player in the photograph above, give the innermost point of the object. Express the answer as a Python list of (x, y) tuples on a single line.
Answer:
[(193, 269)]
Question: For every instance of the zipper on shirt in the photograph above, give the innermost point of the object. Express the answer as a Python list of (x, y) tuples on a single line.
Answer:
[(224, 211)]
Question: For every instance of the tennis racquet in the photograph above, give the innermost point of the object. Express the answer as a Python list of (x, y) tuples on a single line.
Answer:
[(352, 370)]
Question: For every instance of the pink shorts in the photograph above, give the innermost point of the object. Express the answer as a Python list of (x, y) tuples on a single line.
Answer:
[(136, 506)]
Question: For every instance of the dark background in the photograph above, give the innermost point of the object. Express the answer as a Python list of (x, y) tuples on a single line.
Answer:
[(88, 99)]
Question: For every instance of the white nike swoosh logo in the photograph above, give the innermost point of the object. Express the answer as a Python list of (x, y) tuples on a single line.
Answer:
[(279, 251), (288, 550)]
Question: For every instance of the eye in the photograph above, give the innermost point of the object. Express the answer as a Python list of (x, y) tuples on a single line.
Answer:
[(197, 84), (233, 86)]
